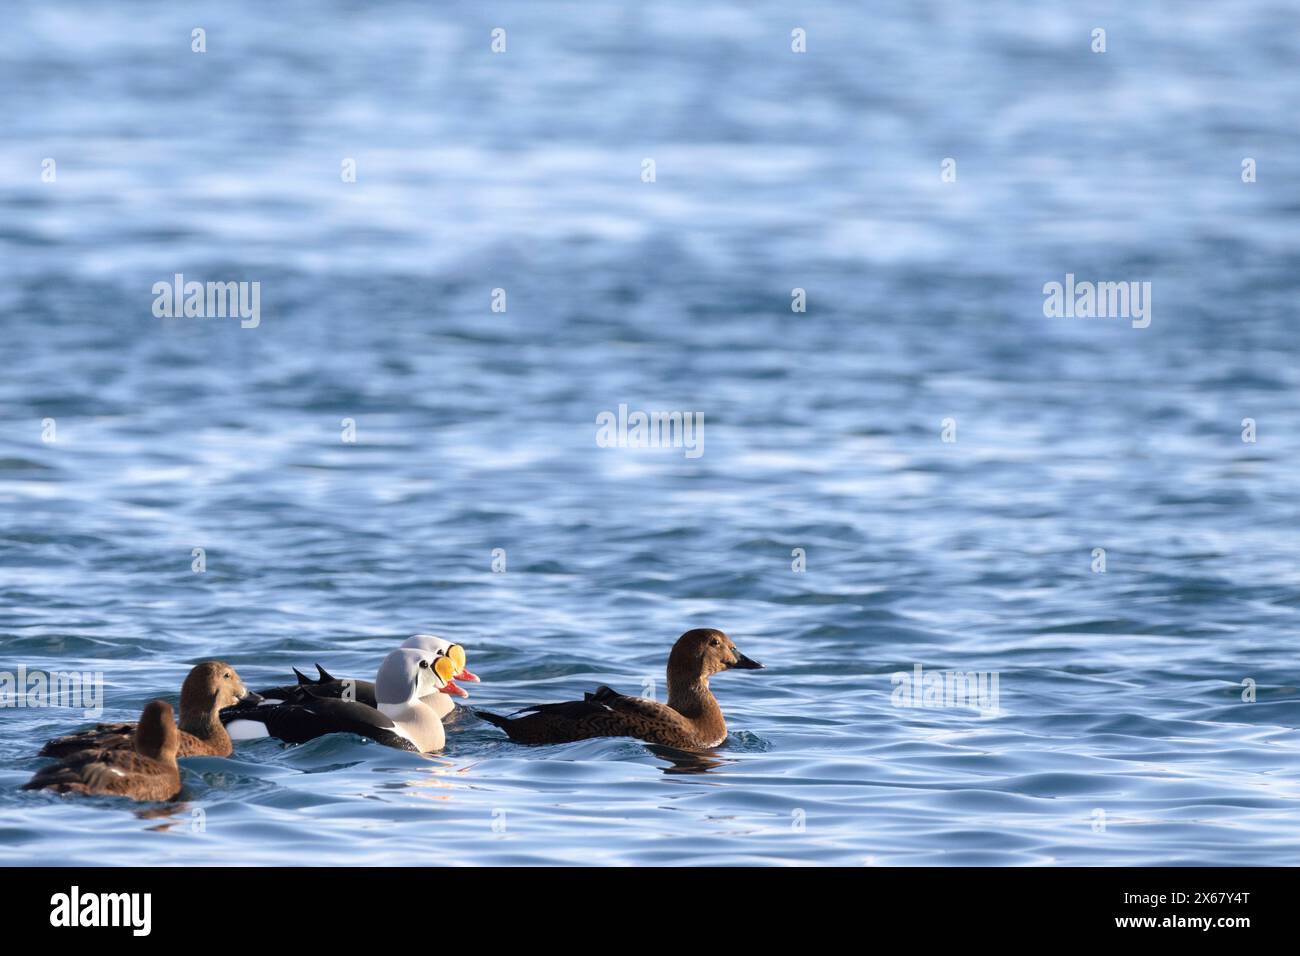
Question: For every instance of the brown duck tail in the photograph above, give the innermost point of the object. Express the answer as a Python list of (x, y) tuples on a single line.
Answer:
[(59, 747), (521, 730), (497, 719)]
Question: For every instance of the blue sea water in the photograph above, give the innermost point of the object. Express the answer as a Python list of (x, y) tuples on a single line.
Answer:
[(1121, 734)]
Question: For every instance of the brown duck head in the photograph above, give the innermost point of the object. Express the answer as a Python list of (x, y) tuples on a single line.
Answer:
[(209, 687), (703, 652), (156, 735)]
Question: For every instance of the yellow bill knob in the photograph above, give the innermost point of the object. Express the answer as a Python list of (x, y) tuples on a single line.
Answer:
[(446, 669), (457, 655)]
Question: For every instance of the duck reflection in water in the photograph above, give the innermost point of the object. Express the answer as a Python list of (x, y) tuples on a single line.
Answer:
[(688, 761)]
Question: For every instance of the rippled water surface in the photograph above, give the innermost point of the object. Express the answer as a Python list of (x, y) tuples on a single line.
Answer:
[(1121, 735)]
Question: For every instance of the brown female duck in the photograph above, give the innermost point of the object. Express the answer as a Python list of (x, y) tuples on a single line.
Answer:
[(208, 688), (147, 771), (691, 720)]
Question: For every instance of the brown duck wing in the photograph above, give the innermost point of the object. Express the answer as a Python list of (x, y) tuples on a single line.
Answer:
[(637, 706), (122, 737), (658, 723), (602, 714), (130, 774), (101, 737), (111, 773), (59, 776)]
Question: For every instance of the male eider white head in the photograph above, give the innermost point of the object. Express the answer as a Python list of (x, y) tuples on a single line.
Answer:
[(443, 648), (407, 674)]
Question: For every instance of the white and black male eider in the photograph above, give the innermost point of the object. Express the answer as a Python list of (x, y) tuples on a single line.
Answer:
[(400, 717), (363, 691)]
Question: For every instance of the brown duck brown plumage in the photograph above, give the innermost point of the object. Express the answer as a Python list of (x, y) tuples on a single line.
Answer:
[(691, 720), (147, 771), (208, 688)]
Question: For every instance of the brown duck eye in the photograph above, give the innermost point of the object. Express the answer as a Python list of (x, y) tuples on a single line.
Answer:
[(713, 643), (226, 675)]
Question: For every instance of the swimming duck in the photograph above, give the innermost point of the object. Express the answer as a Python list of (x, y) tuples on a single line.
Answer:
[(363, 691), (400, 717), (147, 771), (691, 720), (207, 689)]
